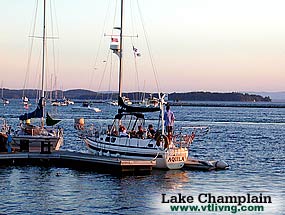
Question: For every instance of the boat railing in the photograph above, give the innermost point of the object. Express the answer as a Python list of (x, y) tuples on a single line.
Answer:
[(174, 150), (90, 131), (186, 135)]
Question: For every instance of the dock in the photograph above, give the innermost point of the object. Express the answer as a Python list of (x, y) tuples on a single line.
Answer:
[(80, 161)]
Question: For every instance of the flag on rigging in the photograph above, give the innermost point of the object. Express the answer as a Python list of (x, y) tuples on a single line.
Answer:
[(136, 52), (50, 121), (114, 40), (37, 113)]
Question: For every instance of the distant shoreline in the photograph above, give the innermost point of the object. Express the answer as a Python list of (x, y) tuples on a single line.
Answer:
[(136, 96), (231, 104)]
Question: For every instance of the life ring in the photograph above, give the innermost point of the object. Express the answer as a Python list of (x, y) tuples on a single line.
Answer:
[(163, 138)]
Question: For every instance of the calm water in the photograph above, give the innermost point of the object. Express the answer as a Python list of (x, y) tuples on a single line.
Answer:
[(251, 140)]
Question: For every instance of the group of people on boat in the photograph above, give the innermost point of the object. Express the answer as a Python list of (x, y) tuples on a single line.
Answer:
[(150, 132), (139, 133)]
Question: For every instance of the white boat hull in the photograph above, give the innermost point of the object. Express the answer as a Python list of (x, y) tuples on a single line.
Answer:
[(86, 109), (134, 148)]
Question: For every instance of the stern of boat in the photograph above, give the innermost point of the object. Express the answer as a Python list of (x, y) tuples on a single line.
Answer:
[(172, 158)]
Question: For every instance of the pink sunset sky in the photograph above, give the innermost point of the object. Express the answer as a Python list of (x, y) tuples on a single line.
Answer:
[(196, 45)]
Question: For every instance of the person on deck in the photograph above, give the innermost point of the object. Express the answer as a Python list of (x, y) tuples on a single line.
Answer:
[(151, 132), (140, 132), (123, 131), (169, 121)]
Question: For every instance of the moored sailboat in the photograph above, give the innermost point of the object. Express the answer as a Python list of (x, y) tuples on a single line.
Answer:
[(25, 100), (121, 140), (4, 100), (86, 107), (43, 138)]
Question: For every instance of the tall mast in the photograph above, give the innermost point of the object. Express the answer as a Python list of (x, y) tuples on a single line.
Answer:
[(121, 50), (43, 60), (44, 44)]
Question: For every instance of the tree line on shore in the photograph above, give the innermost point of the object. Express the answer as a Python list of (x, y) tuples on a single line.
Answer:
[(91, 95)]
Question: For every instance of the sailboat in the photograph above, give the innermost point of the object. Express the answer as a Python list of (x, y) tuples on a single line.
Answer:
[(86, 107), (120, 139), (4, 100), (41, 138), (25, 100)]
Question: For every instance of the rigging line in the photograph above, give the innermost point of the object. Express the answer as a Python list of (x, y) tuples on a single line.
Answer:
[(30, 51), (149, 49), (132, 40), (58, 43), (100, 43), (114, 17), (103, 75), (47, 69), (143, 94), (110, 73), (112, 33), (53, 42), (110, 78), (137, 74), (104, 71), (109, 51), (37, 80), (56, 19)]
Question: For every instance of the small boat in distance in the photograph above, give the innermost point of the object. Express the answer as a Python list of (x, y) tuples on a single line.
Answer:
[(62, 102), (115, 103), (25, 100), (4, 100), (68, 101), (86, 107)]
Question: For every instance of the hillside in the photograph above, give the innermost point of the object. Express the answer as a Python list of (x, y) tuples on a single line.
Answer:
[(209, 96), (187, 96)]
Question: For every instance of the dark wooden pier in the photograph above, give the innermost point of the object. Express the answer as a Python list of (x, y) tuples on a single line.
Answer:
[(80, 161)]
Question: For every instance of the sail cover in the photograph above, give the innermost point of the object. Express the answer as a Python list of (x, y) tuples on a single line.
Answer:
[(130, 109), (50, 121), (38, 113), (121, 115)]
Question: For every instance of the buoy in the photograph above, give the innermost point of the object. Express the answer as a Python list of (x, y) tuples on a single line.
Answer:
[(81, 121)]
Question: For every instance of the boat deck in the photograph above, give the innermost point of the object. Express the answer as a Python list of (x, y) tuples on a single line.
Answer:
[(77, 160)]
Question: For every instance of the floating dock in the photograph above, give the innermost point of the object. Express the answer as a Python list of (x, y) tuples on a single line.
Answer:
[(77, 160)]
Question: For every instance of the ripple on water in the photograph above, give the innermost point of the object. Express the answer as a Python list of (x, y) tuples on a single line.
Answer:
[(251, 140)]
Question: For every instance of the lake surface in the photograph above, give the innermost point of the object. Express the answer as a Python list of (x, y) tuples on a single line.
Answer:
[(251, 140)]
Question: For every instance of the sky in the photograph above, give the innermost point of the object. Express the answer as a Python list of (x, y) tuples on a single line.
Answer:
[(194, 45)]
